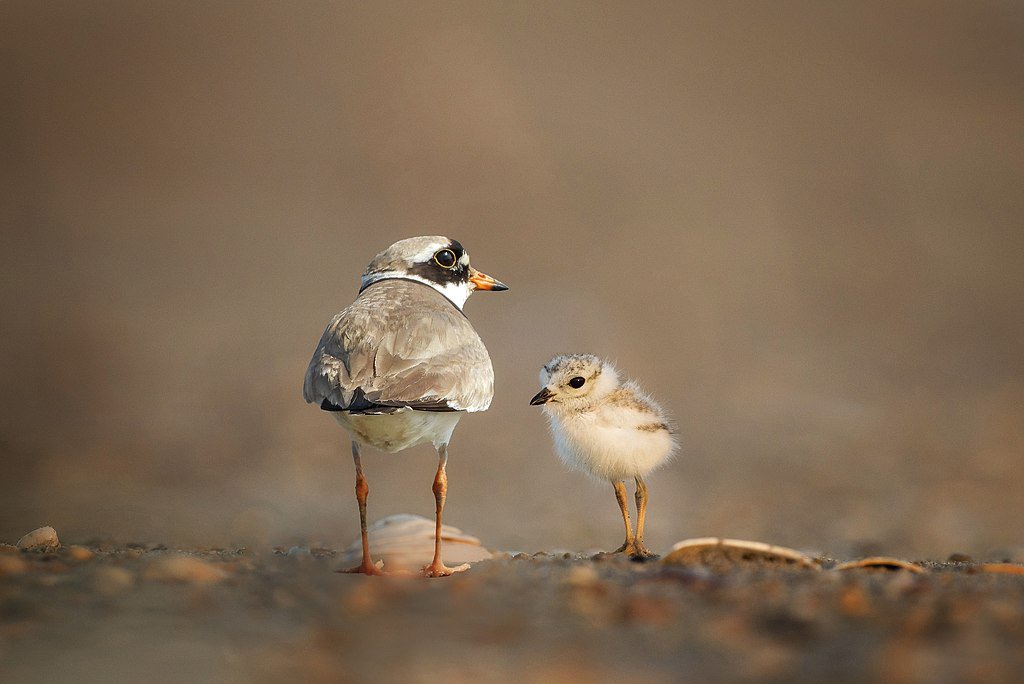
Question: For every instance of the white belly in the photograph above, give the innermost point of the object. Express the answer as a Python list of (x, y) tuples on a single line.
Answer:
[(394, 432), (607, 452)]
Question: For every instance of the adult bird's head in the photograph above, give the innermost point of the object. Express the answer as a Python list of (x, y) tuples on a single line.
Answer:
[(433, 260)]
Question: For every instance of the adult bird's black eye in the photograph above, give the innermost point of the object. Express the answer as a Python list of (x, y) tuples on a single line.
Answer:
[(577, 382), (445, 258)]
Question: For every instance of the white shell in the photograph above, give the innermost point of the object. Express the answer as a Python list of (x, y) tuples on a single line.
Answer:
[(406, 542), (880, 563), (719, 552), (1002, 568), (42, 538)]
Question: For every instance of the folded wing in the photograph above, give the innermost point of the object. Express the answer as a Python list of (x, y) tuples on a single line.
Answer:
[(400, 344)]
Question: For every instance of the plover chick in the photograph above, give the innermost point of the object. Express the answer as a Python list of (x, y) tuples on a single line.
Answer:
[(401, 364), (609, 429)]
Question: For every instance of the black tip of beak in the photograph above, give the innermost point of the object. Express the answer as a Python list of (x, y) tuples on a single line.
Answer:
[(499, 286), (541, 397)]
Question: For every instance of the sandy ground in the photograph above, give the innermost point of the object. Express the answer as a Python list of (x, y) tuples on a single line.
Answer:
[(797, 224), (116, 612)]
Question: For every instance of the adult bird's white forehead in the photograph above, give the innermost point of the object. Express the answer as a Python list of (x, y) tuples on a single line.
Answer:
[(427, 253)]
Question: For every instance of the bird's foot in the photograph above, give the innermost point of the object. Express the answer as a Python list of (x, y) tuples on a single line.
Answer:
[(367, 567), (639, 553), (439, 569), (626, 547)]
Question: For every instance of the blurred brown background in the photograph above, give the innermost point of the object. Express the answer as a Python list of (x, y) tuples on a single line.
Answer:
[(799, 224)]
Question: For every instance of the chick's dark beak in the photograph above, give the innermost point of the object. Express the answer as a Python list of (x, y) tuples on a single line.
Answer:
[(542, 397), (482, 281)]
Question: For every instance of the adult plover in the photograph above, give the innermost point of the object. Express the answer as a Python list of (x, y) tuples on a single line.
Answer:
[(401, 364), (605, 428)]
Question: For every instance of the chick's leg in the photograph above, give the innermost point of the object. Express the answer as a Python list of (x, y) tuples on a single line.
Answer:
[(620, 496), (639, 550)]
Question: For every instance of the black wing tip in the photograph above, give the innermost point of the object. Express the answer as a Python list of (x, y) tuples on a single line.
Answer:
[(328, 405), (360, 404)]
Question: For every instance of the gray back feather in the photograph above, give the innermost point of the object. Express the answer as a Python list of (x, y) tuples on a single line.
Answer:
[(402, 344)]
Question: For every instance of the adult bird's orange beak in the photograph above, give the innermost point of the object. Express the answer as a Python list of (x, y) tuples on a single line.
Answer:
[(482, 281)]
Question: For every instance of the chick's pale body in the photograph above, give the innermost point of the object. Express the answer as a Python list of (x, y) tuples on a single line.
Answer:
[(610, 430), (622, 435)]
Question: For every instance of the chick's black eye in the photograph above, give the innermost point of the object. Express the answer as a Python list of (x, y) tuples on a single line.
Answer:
[(577, 382), (445, 258)]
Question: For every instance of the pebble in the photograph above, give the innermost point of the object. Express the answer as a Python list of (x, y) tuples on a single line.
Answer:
[(853, 601), (582, 576), (112, 580), (42, 538), (284, 598), (9, 548), (650, 610), (12, 565), (80, 553), (186, 569)]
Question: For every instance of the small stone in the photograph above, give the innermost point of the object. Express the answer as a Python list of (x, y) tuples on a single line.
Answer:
[(9, 548), (112, 580), (582, 576), (299, 551), (853, 601), (12, 565), (79, 553), (960, 558), (648, 609), (284, 598), (186, 569), (40, 539)]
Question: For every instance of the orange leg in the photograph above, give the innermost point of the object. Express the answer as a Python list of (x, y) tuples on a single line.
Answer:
[(620, 496), (437, 568), (366, 567), (639, 550)]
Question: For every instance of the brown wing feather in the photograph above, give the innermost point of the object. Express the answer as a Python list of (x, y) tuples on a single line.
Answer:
[(402, 344)]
